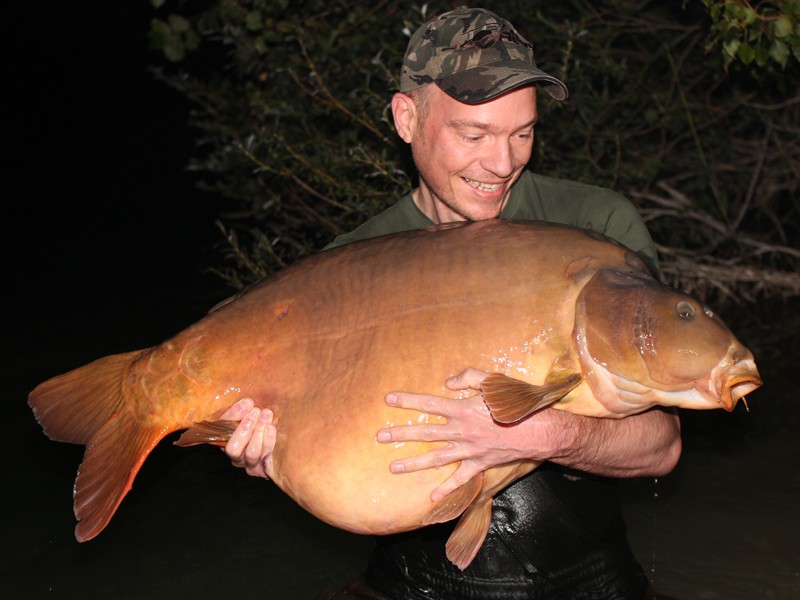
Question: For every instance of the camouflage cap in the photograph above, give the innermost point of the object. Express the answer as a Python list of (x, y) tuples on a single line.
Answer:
[(473, 55)]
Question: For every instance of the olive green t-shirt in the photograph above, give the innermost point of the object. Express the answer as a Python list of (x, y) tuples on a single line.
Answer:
[(536, 198)]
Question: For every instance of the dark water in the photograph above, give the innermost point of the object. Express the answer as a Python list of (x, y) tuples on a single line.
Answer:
[(105, 240), (724, 523)]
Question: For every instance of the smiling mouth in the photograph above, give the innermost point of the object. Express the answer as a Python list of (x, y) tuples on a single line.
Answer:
[(484, 187)]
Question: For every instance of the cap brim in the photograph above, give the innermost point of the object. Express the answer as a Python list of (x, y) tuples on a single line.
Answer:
[(485, 82)]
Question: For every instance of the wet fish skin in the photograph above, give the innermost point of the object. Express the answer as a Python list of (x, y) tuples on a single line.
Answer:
[(563, 317)]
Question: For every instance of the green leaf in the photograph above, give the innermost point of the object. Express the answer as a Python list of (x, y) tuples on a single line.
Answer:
[(762, 55), (731, 47), (782, 27), (746, 53), (253, 21), (779, 52), (179, 24), (174, 50), (160, 28), (732, 9)]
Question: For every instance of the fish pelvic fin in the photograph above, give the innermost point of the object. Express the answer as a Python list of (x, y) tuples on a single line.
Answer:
[(510, 400), (452, 505), (216, 433), (470, 533), (89, 406)]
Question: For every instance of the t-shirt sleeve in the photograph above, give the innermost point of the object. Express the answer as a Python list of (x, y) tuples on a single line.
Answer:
[(623, 223)]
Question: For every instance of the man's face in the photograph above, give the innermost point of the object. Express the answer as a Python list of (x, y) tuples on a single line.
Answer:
[(468, 156)]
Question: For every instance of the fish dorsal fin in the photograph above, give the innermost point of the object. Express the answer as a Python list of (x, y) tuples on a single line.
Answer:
[(452, 505), (510, 400), (216, 433), (470, 533), (577, 267)]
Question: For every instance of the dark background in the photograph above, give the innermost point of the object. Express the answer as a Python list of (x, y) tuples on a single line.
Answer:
[(99, 202), (107, 243)]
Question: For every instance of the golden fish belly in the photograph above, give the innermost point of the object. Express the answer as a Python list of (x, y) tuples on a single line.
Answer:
[(324, 359)]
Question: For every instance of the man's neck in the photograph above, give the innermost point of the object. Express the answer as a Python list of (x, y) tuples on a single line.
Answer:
[(435, 210)]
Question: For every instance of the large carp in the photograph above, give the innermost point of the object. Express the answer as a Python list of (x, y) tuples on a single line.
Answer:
[(560, 316)]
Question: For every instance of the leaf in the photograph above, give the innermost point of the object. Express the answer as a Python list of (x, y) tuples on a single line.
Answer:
[(762, 55), (779, 52), (746, 53), (179, 24), (782, 27), (253, 21), (731, 47)]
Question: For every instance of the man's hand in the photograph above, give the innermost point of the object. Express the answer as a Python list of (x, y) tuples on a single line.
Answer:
[(472, 436), (647, 444), (253, 441)]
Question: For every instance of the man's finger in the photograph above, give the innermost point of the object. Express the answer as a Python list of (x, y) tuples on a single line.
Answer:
[(435, 458), (255, 448), (468, 379), (422, 402), (238, 410), (270, 437), (236, 446), (414, 433)]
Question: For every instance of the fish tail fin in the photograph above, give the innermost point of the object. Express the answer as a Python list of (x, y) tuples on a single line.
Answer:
[(91, 406)]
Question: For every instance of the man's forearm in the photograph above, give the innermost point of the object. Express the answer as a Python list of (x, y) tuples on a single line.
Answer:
[(647, 444)]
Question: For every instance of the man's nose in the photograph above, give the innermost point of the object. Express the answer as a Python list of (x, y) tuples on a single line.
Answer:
[(499, 159)]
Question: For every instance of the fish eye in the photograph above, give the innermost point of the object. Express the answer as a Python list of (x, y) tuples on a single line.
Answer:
[(685, 311)]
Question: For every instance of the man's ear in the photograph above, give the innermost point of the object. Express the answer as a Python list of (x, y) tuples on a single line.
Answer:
[(405, 116)]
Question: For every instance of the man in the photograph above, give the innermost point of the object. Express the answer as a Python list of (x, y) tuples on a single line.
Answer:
[(467, 107)]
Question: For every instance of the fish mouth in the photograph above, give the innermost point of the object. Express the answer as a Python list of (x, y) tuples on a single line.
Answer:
[(740, 381)]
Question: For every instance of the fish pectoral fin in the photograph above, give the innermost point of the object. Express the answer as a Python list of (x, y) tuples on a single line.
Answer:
[(216, 433), (510, 400), (470, 533), (452, 505)]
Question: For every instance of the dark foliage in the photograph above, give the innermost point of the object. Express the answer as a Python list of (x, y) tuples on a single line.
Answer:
[(292, 113)]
